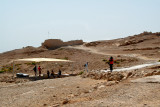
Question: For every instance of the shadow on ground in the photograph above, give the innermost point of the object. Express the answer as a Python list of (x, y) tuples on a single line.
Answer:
[(35, 78)]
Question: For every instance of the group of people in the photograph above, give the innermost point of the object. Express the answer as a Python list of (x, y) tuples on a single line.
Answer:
[(52, 74), (39, 70), (110, 64), (59, 72)]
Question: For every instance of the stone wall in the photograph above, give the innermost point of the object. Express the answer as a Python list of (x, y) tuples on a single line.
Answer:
[(57, 43)]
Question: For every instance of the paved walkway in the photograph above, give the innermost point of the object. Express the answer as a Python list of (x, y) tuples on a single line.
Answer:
[(134, 67), (149, 79)]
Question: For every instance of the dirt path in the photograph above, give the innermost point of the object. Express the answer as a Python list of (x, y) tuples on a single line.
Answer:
[(134, 67), (149, 61), (81, 47)]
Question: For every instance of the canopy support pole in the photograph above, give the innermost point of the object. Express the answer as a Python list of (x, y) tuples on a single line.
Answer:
[(13, 69), (36, 70), (72, 68)]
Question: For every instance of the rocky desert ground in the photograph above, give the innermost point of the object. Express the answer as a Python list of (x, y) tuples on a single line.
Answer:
[(96, 88)]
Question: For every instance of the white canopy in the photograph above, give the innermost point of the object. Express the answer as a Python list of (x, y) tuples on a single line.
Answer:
[(40, 60), (43, 60)]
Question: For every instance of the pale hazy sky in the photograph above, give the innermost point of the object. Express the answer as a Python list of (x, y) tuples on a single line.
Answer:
[(27, 22)]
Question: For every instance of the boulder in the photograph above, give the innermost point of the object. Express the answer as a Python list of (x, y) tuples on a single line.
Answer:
[(129, 74), (65, 101)]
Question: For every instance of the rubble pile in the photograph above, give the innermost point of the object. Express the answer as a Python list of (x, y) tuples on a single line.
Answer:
[(118, 76), (114, 76)]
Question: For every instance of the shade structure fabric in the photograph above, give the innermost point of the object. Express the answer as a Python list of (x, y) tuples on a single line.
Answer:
[(39, 60), (43, 60)]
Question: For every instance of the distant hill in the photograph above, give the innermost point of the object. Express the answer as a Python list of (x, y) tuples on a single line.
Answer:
[(145, 39)]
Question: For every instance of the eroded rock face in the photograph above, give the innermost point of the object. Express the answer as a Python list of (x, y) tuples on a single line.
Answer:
[(57, 43)]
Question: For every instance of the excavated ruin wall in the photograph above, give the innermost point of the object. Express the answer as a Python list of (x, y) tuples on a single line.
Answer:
[(57, 43), (74, 42)]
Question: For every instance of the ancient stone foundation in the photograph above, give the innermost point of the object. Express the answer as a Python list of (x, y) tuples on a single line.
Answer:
[(57, 43)]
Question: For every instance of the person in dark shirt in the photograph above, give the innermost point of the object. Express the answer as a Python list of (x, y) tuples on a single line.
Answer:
[(35, 70), (52, 74), (48, 73), (59, 73)]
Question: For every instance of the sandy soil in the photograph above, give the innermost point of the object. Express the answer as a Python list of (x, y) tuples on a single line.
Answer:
[(76, 91)]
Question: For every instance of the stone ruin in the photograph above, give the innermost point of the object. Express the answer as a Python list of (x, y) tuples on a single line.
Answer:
[(57, 43)]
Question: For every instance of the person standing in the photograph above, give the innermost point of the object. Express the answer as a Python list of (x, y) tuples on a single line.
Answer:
[(59, 73), (48, 73), (111, 63), (35, 70), (39, 69), (86, 66), (52, 73)]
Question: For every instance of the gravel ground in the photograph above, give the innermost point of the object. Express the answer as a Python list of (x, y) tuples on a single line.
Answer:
[(84, 92), (127, 95), (76, 91)]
